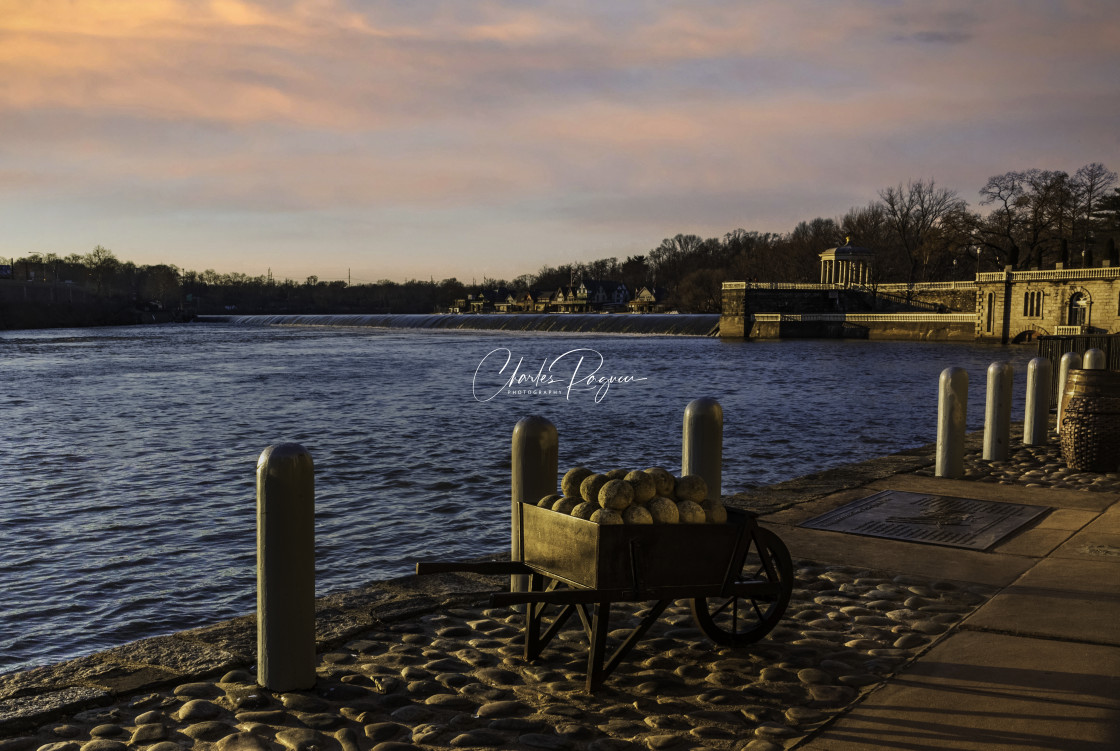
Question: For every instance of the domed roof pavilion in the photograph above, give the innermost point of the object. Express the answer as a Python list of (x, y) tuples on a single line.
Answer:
[(846, 265)]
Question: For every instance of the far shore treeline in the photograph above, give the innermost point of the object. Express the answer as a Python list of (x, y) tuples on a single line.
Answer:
[(919, 231)]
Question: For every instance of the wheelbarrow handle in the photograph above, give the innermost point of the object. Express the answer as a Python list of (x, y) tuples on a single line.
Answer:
[(497, 568)]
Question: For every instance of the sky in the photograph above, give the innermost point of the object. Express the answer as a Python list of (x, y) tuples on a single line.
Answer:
[(474, 139)]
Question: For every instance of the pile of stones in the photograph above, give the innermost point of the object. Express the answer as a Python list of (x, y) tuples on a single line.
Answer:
[(649, 496)]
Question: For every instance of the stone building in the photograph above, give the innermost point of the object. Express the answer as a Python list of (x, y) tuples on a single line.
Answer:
[(1004, 306), (1017, 306)]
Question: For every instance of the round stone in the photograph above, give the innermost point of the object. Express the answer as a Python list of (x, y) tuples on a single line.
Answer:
[(302, 739), (773, 730), (644, 485), (103, 744), (692, 488), (666, 483), (198, 709), (589, 488), (812, 676), (616, 494), (715, 512), (411, 713), (606, 516), (585, 510), (149, 733), (503, 709), (108, 730), (210, 730), (478, 737), (663, 511), (566, 504), (832, 695), (383, 731), (909, 641), (243, 742), (549, 500), (198, 690), (573, 478), (635, 514), (775, 675), (691, 512)]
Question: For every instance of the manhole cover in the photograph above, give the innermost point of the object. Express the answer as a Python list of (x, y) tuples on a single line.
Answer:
[(934, 519)]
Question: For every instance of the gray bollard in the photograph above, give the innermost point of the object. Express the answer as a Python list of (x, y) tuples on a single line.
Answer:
[(1069, 361), (1095, 359), (702, 444), (997, 411), (285, 568), (1037, 413), (533, 472), (952, 411)]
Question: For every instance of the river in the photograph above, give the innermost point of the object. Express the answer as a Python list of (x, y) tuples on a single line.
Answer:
[(128, 454)]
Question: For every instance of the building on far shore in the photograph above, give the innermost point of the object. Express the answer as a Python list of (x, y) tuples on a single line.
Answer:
[(1002, 306)]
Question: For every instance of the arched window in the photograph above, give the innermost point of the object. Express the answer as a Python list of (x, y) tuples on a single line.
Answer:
[(1078, 310)]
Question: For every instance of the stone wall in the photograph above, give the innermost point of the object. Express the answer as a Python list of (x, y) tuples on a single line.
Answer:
[(1025, 305)]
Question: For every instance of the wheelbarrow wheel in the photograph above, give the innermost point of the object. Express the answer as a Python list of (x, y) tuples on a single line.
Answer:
[(737, 620)]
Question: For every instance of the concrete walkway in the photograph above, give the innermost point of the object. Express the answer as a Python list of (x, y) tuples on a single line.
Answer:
[(1036, 667)]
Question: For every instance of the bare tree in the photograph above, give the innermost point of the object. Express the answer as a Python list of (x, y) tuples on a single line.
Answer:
[(1028, 216), (915, 215), (1090, 186)]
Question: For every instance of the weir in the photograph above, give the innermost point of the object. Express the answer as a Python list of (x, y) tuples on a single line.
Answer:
[(650, 324)]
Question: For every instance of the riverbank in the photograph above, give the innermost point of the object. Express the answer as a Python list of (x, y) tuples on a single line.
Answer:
[(424, 662)]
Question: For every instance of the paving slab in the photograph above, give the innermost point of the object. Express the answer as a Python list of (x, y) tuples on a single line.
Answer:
[(1059, 598), (917, 559), (991, 691), (991, 491)]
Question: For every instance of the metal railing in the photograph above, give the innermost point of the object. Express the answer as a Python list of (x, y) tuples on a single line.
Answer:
[(1106, 272), (867, 317)]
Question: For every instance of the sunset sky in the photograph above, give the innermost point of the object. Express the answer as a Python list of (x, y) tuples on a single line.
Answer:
[(470, 138)]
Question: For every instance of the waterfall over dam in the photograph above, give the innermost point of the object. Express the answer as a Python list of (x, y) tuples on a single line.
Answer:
[(650, 324)]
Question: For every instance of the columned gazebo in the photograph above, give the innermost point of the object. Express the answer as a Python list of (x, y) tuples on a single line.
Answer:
[(847, 266)]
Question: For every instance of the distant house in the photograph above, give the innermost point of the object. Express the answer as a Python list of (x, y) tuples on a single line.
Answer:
[(483, 302), (604, 295), (648, 300), (538, 301)]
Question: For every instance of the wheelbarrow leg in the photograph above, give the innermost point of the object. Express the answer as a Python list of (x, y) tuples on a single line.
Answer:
[(596, 673), (535, 642)]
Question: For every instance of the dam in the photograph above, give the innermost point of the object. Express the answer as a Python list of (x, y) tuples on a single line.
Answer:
[(634, 324)]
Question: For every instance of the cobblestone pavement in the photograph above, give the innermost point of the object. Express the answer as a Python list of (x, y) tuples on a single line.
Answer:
[(1034, 467), (457, 679)]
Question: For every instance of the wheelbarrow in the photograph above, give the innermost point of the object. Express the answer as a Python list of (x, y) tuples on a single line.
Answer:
[(737, 575)]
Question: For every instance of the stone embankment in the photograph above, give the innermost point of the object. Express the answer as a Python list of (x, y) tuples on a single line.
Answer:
[(424, 662)]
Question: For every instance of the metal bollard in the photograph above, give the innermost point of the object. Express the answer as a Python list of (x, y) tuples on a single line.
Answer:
[(285, 568), (702, 444), (533, 472), (1069, 361), (1038, 402), (1095, 360), (952, 409), (997, 411)]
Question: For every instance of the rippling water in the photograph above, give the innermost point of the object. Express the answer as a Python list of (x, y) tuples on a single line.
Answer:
[(127, 455)]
